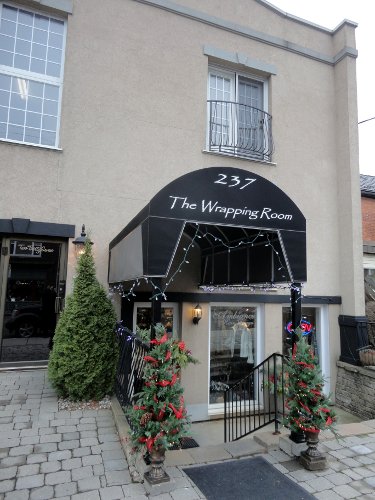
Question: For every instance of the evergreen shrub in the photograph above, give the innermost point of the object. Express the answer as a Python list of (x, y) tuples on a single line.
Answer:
[(82, 363)]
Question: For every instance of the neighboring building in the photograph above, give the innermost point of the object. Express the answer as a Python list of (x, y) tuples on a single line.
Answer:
[(367, 183), (232, 127)]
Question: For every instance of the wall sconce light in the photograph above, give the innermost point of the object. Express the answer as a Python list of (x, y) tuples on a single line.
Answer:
[(197, 314), (80, 242)]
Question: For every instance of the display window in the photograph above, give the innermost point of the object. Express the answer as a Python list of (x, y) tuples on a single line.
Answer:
[(233, 347), (169, 317)]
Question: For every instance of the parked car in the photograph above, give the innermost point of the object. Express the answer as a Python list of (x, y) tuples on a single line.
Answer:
[(26, 320)]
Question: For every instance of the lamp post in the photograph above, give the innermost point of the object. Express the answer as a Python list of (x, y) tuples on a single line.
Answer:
[(80, 242)]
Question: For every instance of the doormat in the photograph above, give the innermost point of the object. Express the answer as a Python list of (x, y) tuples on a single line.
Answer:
[(185, 443), (250, 478)]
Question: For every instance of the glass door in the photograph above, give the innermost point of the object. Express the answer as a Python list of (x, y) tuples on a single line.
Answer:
[(31, 273), (233, 348)]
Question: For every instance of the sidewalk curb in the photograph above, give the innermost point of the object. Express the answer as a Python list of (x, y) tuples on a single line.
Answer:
[(123, 432)]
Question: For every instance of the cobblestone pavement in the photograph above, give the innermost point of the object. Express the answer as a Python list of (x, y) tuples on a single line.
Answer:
[(77, 455)]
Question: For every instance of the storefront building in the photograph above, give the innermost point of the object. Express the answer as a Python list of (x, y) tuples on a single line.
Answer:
[(212, 154)]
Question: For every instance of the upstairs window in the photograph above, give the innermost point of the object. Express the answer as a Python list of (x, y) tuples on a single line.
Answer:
[(31, 68), (238, 123)]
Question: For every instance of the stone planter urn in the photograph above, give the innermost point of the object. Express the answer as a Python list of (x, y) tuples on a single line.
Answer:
[(312, 458), (157, 474)]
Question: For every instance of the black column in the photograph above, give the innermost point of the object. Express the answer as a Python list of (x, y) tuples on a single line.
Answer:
[(296, 303)]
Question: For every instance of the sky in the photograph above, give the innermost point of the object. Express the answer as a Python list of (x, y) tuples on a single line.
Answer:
[(330, 13)]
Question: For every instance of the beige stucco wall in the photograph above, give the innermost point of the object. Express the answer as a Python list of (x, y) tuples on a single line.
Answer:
[(134, 119)]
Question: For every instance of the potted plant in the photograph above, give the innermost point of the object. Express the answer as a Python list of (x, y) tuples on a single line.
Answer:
[(309, 409), (158, 419)]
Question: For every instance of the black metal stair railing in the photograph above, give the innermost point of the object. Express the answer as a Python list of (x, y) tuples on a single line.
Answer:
[(257, 400), (240, 130), (129, 381)]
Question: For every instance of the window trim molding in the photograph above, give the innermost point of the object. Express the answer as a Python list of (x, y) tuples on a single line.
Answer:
[(239, 59)]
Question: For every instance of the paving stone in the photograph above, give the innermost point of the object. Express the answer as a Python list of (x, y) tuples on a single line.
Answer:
[(8, 473), (91, 460), (82, 473), (111, 446), (51, 438), (113, 455), (21, 418), (111, 493), (338, 478), (10, 461), (346, 491), (21, 450), (28, 482), (115, 464), (87, 420), (68, 445), (88, 483), (28, 470), (134, 489), (98, 470), (65, 489), (58, 477), (17, 495), (43, 493), (9, 443), (48, 467), (60, 455), (320, 483), (29, 440), (86, 427), (89, 442), (88, 434), (81, 452), (45, 431), (106, 438), (68, 436), (66, 428), (25, 425), (45, 447), (72, 463), (90, 495), (116, 477), (37, 458), (328, 495)]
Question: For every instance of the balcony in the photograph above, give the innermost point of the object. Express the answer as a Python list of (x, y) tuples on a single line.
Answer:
[(239, 130)]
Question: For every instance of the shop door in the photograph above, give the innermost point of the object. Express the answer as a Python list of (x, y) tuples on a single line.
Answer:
[(32, 278)]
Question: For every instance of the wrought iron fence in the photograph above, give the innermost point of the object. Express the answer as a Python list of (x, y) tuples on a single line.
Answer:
[(130, 367), (257, 400), (240, 130)]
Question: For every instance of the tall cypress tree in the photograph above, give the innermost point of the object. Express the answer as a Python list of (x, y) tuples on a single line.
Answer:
[(83, 360)]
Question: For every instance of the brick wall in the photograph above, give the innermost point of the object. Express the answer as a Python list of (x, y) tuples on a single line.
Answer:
[(355, 390), (368, 218)]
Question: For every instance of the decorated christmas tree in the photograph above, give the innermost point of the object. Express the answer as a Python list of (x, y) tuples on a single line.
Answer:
[(158, 419), (308, 408)]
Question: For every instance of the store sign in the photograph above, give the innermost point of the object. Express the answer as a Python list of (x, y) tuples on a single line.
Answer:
[(228, 196), (28, 248)]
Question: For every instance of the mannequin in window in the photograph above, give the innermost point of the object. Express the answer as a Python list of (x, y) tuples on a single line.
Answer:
[(247, 341)]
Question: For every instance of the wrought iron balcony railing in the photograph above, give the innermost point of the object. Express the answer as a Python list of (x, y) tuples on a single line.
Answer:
[(240, 130)]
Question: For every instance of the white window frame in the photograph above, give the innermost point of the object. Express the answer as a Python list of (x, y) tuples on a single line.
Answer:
[(37, 77), (234, 77), (218, 408)]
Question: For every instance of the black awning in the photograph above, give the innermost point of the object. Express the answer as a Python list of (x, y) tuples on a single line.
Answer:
[(233, 203)]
